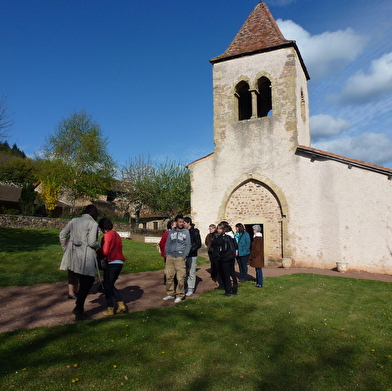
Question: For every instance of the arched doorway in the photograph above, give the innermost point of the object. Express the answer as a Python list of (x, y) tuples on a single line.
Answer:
[(255, 203)]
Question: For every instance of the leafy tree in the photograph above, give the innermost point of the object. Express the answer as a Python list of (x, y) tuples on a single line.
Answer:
[(51, 177), (87, 169), (6, 120), (163, 188), (171, 189), (50, 190), (136, 184), (18, 170)]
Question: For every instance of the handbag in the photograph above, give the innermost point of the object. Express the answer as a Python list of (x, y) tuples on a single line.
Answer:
[(102, 263)]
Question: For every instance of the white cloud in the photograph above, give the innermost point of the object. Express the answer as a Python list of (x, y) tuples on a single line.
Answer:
[(323, 53), (375, 148), (364, 87), (326, 126)]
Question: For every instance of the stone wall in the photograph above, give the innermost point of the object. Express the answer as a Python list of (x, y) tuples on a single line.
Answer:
[(17, 221)]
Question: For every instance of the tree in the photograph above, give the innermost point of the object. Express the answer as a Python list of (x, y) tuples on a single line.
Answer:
[(6, 120), (80, 149), (135, 184), (27, 198), (163, 188), (14, 151), (50, 190), (170, 189), (18, 170), (50, 173)]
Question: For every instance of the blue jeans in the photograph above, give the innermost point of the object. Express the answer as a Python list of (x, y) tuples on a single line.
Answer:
[(259, 276), (243, 265)]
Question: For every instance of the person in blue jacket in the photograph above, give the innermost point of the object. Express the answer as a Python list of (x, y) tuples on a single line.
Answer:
[(243, 242)]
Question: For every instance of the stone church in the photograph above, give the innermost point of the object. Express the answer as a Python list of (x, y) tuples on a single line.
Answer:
[(316, 208)]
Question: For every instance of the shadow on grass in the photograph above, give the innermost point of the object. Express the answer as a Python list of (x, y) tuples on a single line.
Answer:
[(21, 239)]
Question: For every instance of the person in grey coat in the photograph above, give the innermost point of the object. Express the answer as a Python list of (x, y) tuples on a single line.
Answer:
[(80, 253), (178, 245)]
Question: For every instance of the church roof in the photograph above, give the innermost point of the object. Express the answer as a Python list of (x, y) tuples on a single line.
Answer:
[(259, 33), (317, 154)]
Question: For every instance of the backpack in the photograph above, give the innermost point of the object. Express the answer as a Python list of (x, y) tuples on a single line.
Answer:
[(229, 247)]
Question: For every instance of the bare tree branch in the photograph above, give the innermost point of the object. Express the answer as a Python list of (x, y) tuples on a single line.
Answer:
[(6, 120)]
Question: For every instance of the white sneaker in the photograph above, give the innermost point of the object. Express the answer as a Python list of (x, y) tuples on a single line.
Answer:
[(178, 300), (189, 293), (169, 297)]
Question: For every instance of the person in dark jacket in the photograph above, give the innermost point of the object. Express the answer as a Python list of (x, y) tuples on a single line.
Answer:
[(227, 251), (213, 252), (213, 233), (191, 260), (257, 255)]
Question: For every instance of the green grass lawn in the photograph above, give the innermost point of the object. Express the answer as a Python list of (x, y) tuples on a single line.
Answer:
[(300, 332), (33, 256)]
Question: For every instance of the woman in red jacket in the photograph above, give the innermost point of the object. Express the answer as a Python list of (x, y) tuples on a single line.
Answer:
[(111, 251)]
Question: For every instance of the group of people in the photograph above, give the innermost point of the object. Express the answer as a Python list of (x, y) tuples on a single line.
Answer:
[(225, 247), (179, 247), (79, 241)]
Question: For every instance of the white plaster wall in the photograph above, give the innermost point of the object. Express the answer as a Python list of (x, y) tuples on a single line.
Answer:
[(341, 214)]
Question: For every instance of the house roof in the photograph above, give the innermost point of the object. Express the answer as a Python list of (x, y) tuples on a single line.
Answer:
[(187, 166), (317, 154), (10, 193), (259, 33)]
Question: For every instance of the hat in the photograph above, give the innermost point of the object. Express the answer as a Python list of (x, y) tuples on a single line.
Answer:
[(257, 227)]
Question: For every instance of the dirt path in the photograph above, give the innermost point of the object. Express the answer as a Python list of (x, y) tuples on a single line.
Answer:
[(48, 305)]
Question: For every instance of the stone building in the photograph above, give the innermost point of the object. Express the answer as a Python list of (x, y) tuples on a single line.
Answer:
[(315, 207)]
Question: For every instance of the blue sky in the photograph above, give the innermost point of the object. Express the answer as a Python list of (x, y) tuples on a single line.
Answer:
[(141, 69)]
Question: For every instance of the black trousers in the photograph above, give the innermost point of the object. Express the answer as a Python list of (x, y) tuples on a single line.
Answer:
[(85, 284), (111, 274), (226, 268)]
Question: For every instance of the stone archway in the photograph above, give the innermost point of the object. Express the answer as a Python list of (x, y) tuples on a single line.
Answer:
[(254, 202)]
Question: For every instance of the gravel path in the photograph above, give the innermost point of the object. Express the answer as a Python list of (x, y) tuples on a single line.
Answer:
[(48, 305)]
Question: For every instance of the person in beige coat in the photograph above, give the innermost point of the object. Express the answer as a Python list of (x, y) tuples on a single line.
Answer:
[(256, 259), (79, 242)]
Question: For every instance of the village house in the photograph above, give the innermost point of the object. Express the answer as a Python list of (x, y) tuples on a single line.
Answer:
[(316, 208)]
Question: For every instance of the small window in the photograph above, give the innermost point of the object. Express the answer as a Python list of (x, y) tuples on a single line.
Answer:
[(155, 224), (264, 98), (244, 101)]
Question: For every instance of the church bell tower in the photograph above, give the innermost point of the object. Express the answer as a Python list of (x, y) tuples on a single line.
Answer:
[(260, 90)]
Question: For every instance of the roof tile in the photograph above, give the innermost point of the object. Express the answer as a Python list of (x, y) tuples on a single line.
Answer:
[(259, 32)]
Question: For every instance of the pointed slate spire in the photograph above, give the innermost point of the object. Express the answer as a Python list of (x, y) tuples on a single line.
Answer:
[(260, 32)]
